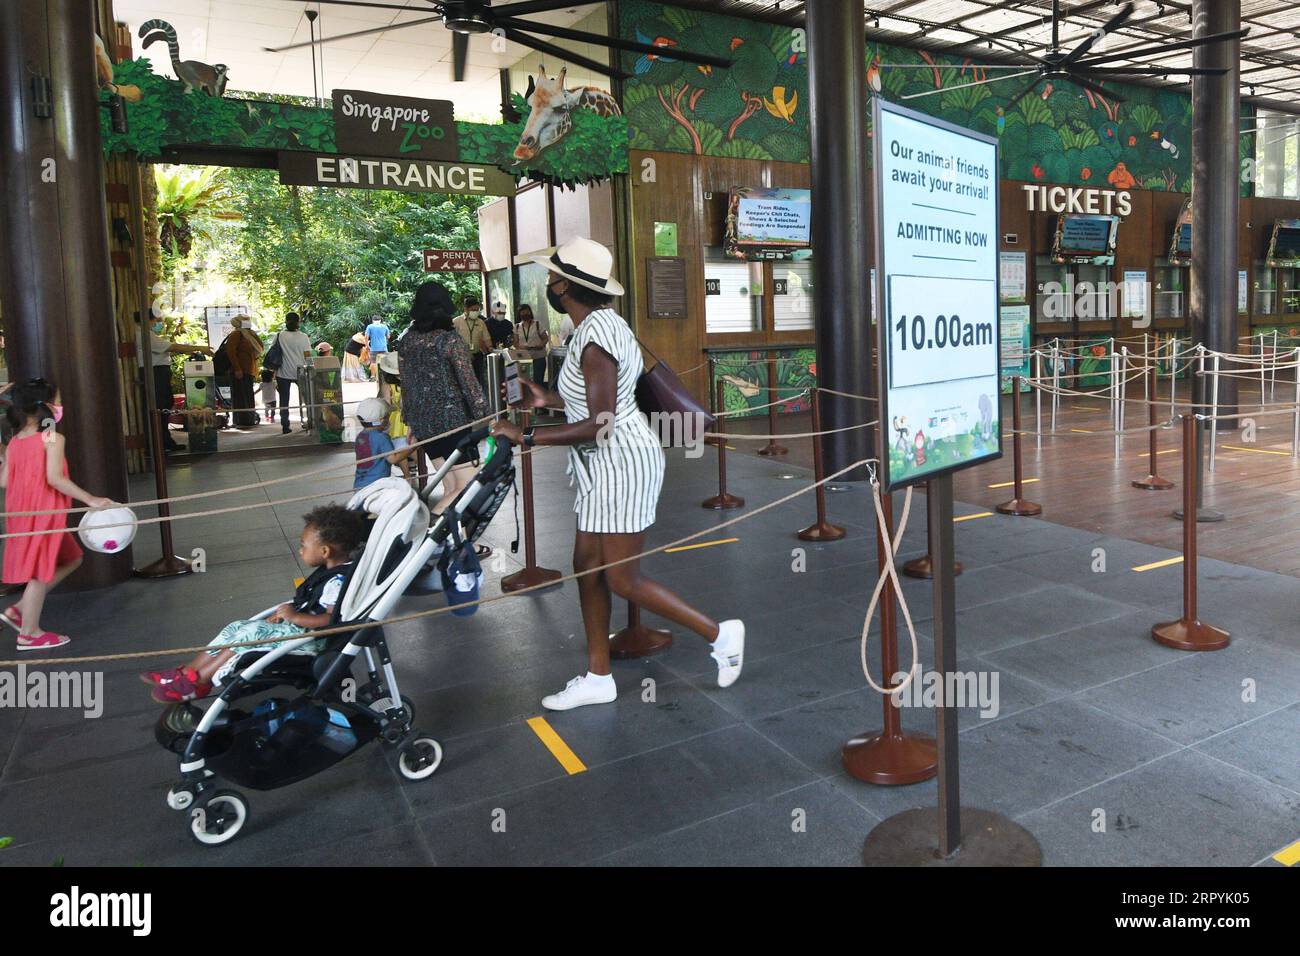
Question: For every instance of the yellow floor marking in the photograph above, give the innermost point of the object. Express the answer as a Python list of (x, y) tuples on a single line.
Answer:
[(980, 514), (1290, 855), (1258, 451), (1159, 564), (1082, 431), (297, 582), (731, 448), (558, 748), (1167, 451), (702, 544), (1008, 484)]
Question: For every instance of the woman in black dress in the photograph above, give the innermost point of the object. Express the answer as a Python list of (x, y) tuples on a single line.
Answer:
[(439, 390)]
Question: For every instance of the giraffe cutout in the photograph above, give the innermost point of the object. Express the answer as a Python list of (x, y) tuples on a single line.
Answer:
[(551, 107)]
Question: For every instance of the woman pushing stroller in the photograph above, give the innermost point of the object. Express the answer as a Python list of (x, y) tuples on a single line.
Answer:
[(330, 537)]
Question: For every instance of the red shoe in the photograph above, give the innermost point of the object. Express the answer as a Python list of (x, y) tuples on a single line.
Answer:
[(181, 689), (42, 642), (156, 678), (14, 617)]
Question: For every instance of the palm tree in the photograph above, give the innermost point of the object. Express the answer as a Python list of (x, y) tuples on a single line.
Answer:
[(187, 197)]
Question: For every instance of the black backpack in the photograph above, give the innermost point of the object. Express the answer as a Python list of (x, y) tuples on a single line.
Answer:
[(221, 366)]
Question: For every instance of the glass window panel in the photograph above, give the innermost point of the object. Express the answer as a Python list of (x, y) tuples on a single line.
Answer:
[(1265, 290), (1288, 281), (1170, 291), (792, 295), (733, 294)]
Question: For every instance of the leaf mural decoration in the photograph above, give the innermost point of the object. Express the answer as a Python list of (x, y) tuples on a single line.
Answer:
[(1035, 110)]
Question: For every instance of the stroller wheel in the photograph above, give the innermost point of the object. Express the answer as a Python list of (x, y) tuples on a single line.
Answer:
[(420, 758), (180, 799), (219, 819)]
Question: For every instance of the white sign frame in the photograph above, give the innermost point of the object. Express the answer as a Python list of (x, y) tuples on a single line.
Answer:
[(892, 261)]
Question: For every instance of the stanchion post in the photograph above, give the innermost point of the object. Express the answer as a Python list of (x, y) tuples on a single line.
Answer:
[(772, 449), (169, 565), (1189, 633), (923, 567), (1153, 481), (722, 501), (637, 640), (1295, 425), (1038, 399), (891, 757), (1213, 423), (531, 575), (1017, 506), (821, 529)]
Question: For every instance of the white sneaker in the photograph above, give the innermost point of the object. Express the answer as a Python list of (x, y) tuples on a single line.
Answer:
[(586, 689), (729, 651)]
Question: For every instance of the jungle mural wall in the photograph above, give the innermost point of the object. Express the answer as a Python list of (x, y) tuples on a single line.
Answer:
[(758, 109)]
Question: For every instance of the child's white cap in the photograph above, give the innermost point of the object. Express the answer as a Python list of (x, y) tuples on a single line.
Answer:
[(372, 411)]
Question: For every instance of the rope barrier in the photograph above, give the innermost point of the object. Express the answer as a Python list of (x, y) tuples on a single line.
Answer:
[(435, 612)]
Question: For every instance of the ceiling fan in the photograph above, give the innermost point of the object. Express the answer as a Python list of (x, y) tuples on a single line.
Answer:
[(1075, 66), (467, 17)]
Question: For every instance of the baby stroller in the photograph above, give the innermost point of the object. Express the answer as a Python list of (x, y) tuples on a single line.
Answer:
[(283, 717)]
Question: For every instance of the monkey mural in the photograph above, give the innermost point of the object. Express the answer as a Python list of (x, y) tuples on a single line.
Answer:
[(210, 78)]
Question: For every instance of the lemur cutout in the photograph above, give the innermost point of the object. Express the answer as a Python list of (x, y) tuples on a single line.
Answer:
[(210, 78), (552, 106)]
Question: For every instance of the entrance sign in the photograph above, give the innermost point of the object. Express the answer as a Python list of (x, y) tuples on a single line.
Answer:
[(453, 260), (401, 175), (939, 334), (375, 124)]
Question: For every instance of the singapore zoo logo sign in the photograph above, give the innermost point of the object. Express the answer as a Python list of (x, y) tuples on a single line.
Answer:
[(374, 124)]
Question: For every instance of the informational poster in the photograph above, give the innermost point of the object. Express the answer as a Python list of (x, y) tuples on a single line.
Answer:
[(1015, 346), (1011, 273), (1243, 287), (1136, 303), (940, 337), (665, 239), (768, 223)]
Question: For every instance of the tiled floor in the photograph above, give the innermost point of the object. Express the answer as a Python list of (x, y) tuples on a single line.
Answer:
[(1109, 748)]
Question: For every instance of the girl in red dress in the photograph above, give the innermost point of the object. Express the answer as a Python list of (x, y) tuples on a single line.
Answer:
[(35, 478)]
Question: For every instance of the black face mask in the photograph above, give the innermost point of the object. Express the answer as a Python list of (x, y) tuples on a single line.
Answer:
[(554, 301)]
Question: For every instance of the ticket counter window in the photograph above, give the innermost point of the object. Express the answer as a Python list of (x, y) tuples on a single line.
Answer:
[(1170, 291), (792, 304), (1265, 290), (1081, 293), (733, 294), (1288, 286)]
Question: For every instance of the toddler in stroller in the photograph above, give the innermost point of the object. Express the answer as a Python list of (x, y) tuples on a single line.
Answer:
[(330, 535), (283, 715)]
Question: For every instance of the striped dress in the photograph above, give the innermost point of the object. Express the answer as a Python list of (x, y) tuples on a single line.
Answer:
[(619, 476)]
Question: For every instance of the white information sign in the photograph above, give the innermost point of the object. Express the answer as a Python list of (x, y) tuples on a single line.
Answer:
[(937, 235), (1013, 276)]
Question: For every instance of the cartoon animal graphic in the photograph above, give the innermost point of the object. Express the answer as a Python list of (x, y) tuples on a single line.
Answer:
[(551, 111), (986, 417), (1173, 150), (900, 426), (873, 74), (919, 441), (104, 75), (1120, 177), (210, 78)]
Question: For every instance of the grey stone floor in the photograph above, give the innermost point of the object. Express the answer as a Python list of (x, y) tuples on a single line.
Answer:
[(1188, 759)]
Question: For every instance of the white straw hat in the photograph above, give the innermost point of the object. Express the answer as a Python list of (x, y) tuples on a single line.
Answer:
[(585, 262)]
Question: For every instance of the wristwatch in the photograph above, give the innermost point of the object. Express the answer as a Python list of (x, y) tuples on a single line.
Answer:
[(529, 439)]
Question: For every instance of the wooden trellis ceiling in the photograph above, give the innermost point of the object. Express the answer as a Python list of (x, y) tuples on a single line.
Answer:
[(1007, 31)]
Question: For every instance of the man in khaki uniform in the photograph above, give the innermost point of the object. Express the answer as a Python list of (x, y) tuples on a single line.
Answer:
[(474, 331)]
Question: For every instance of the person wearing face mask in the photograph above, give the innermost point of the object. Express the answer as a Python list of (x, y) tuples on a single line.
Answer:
[(161, 351), (617, 464), (499, 327), (38, 493), (530, 343), (474, 332)]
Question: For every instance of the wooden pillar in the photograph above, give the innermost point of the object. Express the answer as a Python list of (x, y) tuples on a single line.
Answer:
[(55, 278)]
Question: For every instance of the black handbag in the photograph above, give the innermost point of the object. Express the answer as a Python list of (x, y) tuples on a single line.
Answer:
[(274, 356), (665, 400)]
